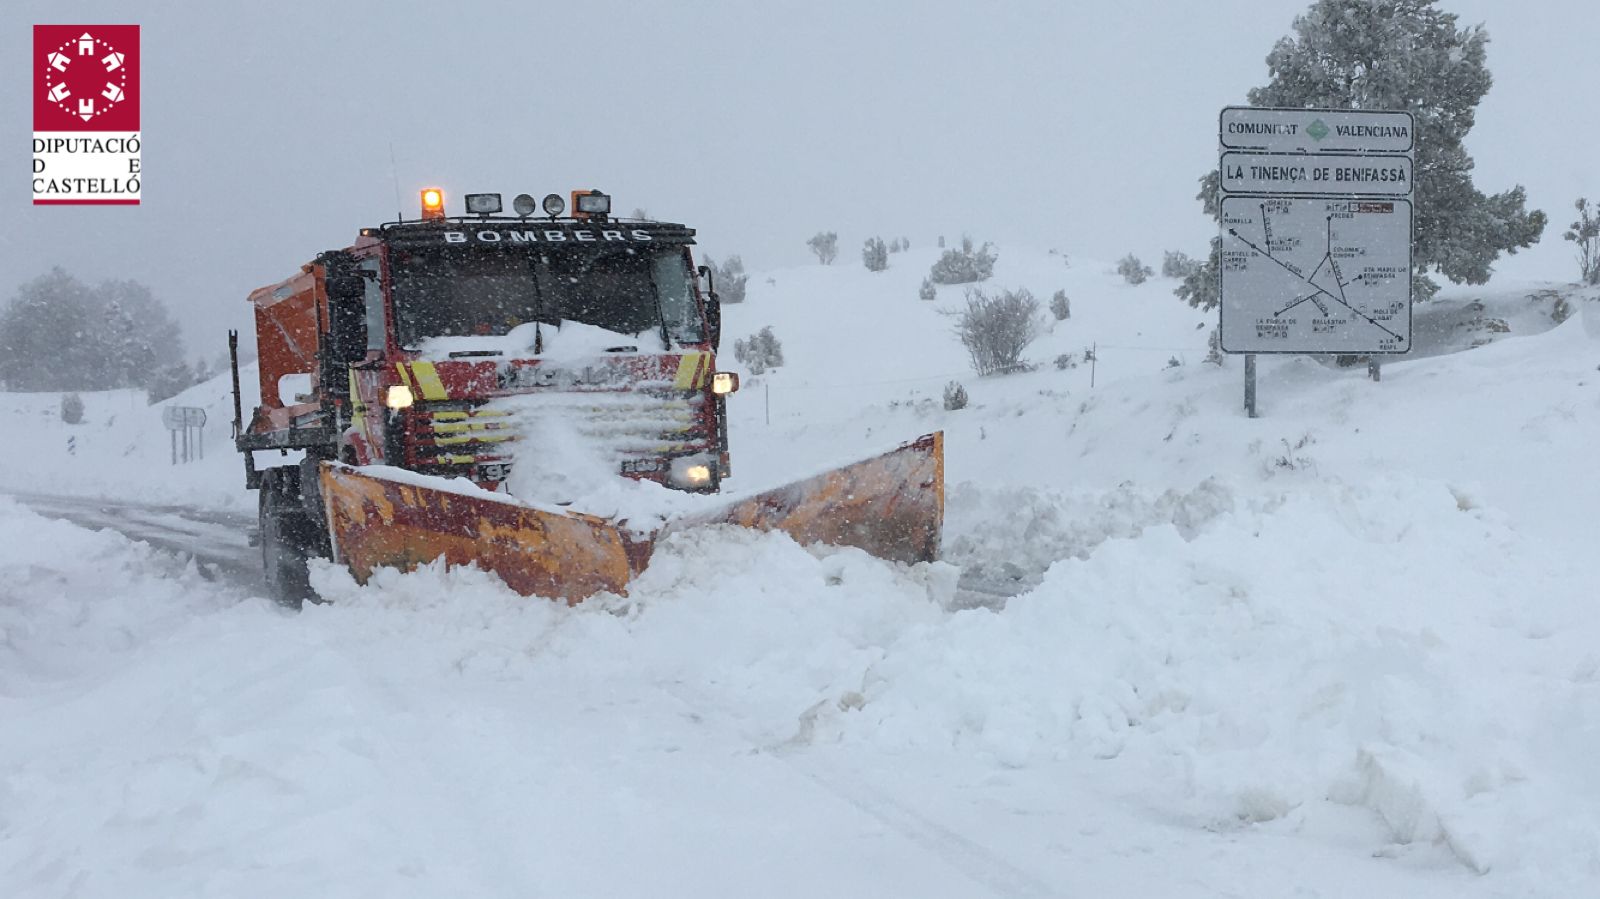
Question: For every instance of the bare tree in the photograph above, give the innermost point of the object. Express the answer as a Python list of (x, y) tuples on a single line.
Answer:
[(996, 329)]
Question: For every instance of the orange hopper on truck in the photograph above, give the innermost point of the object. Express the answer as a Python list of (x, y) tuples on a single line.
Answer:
[(397, 371)]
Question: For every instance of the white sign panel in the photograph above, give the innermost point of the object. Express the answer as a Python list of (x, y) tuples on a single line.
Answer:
[(1316, 275), (1325, 173), (179, 417), (1316, 130)]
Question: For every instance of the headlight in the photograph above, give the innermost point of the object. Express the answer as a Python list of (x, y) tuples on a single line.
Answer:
[(398, 397), (724, 382), (483, 204), (554, 205), (690, 472)]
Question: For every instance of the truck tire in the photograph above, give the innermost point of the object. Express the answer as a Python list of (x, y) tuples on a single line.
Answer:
[(289, 539)]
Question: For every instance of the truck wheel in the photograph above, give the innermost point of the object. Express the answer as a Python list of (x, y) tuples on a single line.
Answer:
[(289, 539)]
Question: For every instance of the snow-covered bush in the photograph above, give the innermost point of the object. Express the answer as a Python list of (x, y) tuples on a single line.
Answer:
[(759, 352), (1177, 264), (996, 329), (728, 279), (875, 254), (927, 291), (1214, 354), (1060, 306), (826, 245), (1066, 361), (955, 396), (71, 409), (1132, 270), (963, 266)]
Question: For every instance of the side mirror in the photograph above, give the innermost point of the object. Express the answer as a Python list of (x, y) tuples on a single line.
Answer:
[(713, 308)]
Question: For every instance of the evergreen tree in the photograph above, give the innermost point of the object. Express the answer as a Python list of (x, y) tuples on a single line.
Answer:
[(135, 332), (875, 254), (1398, 54), (45, 333), (59, 334), (1060, 306)]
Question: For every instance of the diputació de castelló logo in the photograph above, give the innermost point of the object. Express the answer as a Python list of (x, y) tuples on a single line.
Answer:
[(86, 138)]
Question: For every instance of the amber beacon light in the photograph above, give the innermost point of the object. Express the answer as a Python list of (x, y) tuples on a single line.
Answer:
[(432, 203)]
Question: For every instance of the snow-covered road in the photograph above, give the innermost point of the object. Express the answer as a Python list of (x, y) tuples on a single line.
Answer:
[(219, 541)]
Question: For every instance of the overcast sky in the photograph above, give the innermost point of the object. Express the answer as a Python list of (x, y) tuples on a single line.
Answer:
[(1080, 126)]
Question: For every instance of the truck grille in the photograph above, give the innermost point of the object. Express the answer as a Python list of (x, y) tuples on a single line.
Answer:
[(625, 425)]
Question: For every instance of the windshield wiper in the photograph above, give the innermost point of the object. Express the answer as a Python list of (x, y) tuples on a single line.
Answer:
[(661, 316)]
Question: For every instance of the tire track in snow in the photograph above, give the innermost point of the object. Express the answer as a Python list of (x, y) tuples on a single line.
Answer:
[(974, 860)]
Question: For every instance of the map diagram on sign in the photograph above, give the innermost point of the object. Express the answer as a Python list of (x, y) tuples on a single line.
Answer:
[(1316, 275)]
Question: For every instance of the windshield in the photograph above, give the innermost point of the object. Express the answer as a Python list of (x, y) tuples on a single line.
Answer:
[(627, 290)]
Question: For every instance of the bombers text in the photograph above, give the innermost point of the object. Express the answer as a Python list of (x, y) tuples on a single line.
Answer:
[(525, 235)]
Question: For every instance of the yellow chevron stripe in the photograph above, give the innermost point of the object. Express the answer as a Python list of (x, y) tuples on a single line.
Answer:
[(688, 367), (428, 380), (463, 416), (356, 406), (405, 376), (474, 438), (450, 427)]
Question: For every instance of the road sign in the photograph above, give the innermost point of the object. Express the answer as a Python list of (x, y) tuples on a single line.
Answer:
[(1276, 130), (1316, 230), (1316, 275), (176, 418), (1300, 174)]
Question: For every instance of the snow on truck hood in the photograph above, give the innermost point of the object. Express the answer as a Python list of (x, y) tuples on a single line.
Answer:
[(569, 340)]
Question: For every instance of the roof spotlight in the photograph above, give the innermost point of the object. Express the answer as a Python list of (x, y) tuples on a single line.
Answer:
[(524, 205), (554, 205), (590, 203), (483, 204)]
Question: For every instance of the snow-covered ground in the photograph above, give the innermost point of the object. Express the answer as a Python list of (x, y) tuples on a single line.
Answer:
[(1348, 648)]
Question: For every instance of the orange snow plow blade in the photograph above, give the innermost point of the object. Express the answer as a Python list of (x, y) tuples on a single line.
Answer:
[(377, 522), (891, 506)]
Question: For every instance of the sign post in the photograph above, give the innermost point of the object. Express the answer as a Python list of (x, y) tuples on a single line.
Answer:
[(1316, 232)]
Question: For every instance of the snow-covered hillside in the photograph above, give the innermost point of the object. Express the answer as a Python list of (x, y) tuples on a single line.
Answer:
[(122, 449), (1346, 648)]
